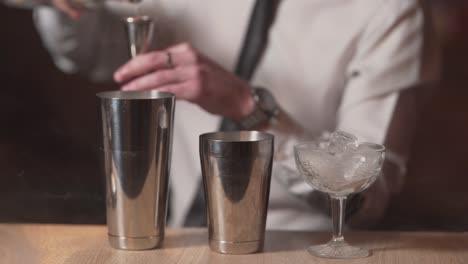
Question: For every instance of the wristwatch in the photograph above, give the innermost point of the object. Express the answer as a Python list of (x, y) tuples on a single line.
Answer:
[(266, 109)]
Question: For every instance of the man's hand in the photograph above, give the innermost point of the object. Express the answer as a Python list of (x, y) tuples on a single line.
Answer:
[(191, 76)]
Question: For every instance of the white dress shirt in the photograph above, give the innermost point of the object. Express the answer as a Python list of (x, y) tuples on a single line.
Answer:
[(331, 64)]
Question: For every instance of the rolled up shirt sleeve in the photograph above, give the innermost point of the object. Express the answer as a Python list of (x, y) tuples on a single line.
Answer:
[(93, 46), (386, 63)]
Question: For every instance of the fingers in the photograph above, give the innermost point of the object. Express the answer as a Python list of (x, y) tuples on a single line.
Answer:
[(180, 55), (152, 70), (184, 91), (157, 79), (140, 65), (65, 7), (185, 50)]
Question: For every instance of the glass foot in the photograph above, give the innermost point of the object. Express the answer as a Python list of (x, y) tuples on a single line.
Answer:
[(338, 250)]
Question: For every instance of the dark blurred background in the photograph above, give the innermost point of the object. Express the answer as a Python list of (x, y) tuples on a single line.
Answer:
[(49, 170)]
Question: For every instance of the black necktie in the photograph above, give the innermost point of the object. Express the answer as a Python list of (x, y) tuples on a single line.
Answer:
[(255, 42)]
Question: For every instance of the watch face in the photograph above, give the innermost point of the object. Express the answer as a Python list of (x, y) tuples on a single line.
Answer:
[(266, 101), (265, 109)]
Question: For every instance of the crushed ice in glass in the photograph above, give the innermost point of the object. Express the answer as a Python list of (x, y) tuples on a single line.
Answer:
[(341, 164)]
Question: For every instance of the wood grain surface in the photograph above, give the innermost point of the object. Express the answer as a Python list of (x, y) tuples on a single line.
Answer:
[(73, 244)]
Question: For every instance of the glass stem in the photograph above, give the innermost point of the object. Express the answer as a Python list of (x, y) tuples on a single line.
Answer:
[(338, 206)]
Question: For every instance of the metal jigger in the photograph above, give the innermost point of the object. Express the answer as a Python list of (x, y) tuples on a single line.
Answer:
[(140, 34)]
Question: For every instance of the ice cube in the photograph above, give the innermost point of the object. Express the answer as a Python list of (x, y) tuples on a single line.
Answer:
[(365, 161), (353, 163), (374, 155), (340, 141)]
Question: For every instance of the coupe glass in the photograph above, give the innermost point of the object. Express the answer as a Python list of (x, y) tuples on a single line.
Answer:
[(339, 167)]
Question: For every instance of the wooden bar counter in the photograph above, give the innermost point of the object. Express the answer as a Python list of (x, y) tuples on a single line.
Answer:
[(73, 244)]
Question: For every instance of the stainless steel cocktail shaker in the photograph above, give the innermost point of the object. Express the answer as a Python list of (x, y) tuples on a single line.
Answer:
[(136, 130), (236, 170)]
